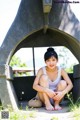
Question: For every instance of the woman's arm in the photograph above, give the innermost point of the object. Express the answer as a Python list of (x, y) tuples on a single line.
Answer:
[(68, 81), (60, 94), (36, 85), (39, 88)]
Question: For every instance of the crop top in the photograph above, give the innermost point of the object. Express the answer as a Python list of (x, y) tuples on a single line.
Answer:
[(53, 84)]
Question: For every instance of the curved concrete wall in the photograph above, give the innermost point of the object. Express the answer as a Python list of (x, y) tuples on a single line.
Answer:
[(28, 26), (30, 18)]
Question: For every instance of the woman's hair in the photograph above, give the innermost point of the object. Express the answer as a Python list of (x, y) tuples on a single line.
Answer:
[(49, 53)]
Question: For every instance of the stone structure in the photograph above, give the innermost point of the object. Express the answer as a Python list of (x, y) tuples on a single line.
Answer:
[(32, 27)]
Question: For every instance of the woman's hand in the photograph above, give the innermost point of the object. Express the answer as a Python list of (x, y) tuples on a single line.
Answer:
[(50, 93), (58, 96)]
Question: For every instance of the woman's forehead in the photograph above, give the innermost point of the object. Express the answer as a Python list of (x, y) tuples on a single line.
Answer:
[(52, 57)]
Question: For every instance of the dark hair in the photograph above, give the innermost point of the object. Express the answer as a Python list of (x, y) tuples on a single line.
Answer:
[(49, 53)]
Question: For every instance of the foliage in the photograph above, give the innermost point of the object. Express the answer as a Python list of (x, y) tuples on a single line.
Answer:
[(70, 69), (1, 107), (54, 118), (31, 114), (64, 56), (21, 115), (16, 62), (74, 107), (18, 116)]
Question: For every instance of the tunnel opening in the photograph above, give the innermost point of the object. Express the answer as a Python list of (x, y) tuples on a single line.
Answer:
[(53, 38)]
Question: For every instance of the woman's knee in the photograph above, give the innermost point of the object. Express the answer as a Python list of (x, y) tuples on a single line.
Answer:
[(44, 81), (62, 85)]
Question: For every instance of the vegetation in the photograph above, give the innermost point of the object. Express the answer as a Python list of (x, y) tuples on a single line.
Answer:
[(20, 115), (16, 62), (54, 118), (74, 107), (31, 114), (65, 57)]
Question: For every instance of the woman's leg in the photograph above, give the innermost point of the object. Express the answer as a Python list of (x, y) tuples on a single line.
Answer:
[(61, 86), (43, 96)]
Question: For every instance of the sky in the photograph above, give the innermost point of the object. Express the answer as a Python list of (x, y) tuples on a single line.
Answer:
[(8, 11)]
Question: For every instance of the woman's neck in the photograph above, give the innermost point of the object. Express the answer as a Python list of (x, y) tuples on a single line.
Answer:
[(50, 70)]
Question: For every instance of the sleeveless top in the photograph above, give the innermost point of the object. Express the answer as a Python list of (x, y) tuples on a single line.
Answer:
[(53, 84)]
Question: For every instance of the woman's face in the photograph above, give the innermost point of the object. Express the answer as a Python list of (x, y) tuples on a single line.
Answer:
[(51, 62)]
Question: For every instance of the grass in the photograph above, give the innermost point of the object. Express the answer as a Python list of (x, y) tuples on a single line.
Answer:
[(76, 112), (29, 114), (19, 114), (54, 118), (74, 107)]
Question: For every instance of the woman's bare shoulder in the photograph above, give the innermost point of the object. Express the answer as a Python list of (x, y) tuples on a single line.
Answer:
[(63, 72), (40, 71)]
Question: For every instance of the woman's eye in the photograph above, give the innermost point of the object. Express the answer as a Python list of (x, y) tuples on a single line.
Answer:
[(53, 60), (47, 60)]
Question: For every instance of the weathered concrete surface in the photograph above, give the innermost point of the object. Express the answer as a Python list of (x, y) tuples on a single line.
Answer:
[(27, 30), (30, 19)]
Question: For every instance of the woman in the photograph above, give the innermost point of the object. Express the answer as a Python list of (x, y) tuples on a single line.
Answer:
[(48, 84)]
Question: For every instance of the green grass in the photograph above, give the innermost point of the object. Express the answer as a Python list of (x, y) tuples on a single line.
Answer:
[(54, 118), (29, 114), (20, 115), (74, 107)]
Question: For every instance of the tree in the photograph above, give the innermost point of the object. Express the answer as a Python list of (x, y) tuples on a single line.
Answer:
[(16, 62), (65, 57)]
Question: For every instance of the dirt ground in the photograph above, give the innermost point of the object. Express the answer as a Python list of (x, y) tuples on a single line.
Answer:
[(43, 114)]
